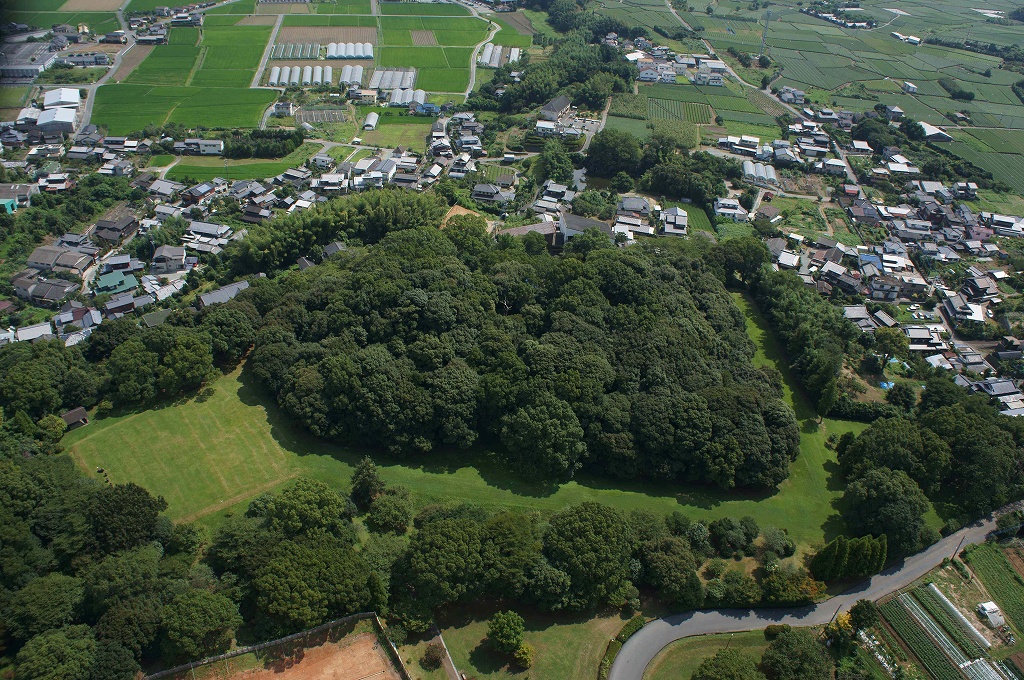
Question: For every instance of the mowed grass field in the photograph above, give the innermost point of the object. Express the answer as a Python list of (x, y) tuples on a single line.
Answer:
[(201, 168), (212, 454), (681, 658), (568, 647)]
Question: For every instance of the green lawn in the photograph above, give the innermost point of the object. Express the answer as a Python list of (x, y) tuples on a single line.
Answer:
[(13, 97), (391, 136), (210, 455), (161, 160), (569, 647), (201, 168), (680, 659)]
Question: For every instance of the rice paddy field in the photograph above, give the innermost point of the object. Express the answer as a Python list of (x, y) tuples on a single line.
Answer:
[(852, 69), (204, 78)]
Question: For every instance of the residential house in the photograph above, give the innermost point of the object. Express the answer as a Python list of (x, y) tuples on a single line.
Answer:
[(675, 221), (570, 225), (197, 194), (491, 193), (115, 282), (117, 229), (959, 310), (168, 260), (731, 208), (556, 108)]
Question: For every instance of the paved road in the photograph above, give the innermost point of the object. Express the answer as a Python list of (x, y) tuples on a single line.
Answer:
[(476, 53), (641, 649), (267, 52)]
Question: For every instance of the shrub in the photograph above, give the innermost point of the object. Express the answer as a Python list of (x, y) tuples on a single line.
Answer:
[(524, 655), (433, 657), (390, 512), (630, 629), (505, 632), (775, 630)]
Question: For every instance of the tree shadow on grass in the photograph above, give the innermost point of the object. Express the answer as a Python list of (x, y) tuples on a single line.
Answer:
[(494, 471), (486, 660)]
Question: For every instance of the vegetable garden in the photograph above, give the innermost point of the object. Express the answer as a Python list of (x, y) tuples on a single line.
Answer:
[(999, 577), (919, 642)]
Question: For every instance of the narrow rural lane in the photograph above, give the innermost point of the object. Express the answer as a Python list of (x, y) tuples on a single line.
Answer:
[(476, 54), (90, 90), (267, 52), (641, 649)]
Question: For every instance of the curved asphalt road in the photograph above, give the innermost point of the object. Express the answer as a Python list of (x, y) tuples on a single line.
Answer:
[(641, 649)]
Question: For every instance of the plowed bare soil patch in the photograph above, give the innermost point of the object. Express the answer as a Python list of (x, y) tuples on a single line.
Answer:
[(423, 38), (91, 5), (265, 20), (1016, 559), (131, 59), (518, 21), (352, 658)]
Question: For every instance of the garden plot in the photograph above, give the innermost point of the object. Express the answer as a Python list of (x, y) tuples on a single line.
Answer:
[(326, 34), (91, 5), (918, 641), (1000, 579), (693, 112), (423, 38)]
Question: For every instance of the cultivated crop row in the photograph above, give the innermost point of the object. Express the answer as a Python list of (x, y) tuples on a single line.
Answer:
[(953, 627), (999, 577), (937, 664)]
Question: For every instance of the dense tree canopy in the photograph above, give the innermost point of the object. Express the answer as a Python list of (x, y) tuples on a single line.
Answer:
[(629, 362)]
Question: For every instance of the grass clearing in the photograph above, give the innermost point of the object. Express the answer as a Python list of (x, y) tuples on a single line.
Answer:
[(13, 97), (202, 168), (391, 136), (568, 647), (211, 454), (637, 128), (681, 658)]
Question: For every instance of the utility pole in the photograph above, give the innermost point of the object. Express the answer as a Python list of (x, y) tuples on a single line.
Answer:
[(957, 551)]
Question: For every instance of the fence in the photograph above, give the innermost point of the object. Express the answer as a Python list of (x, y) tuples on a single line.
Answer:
[(389, 646)]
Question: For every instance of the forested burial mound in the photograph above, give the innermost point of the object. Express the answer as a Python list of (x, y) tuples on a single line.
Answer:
[(632, 363)]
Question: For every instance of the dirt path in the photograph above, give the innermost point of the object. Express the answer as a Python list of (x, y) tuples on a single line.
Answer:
[(227, 502)]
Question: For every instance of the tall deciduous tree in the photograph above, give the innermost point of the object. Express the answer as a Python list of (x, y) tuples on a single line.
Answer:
[(885, 501), (796, 655), (587, 542), (198, 624)]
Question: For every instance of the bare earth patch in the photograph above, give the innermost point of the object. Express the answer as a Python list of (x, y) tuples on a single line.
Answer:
[(265, 20), (130, 61), (518, 21), (105, 48), (326, 34), (91, 5), (353, 658), (423, 38), (282, 8)]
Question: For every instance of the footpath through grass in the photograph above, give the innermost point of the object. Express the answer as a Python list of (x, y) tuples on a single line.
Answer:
[(210, 454)]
